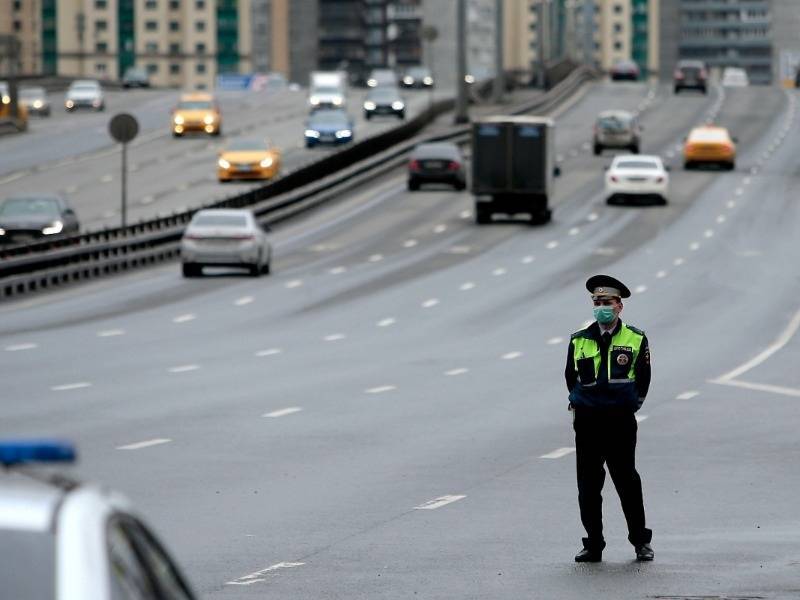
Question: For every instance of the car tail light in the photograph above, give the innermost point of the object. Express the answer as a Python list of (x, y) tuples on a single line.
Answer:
[(242, 237), (703, 74), (194, 238), (414, 165), (453, 166), (678, 75), (614, 178)]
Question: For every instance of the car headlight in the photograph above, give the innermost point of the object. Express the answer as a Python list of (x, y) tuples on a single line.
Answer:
[(37, 104), (6, 99), (344, 133), (469, 78), (178, 120), (368, 105), (2, 231), (337, 101), (69, 103), (224, 163), (408, 80), (54, 227), (96, 102), (398, 105), (267, 162), (372, 83), (314, 100), (312, 133), (428, 81), (208, 119)]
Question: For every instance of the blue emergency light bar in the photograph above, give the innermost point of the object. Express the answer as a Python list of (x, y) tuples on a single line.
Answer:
[(15, 452)]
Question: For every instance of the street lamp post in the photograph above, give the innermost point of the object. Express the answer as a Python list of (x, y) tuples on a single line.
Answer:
[(462, 114)]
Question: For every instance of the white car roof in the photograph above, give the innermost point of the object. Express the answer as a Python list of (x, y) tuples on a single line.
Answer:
[(636, 157), (709, 134), (26, 504)]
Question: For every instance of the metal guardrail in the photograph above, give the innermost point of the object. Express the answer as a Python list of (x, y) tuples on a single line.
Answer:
[(115, 250)]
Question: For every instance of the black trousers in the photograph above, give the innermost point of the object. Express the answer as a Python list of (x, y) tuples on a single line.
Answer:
[(607, 436)]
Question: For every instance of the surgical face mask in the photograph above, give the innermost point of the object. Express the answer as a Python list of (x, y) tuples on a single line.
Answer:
[(604, 314)]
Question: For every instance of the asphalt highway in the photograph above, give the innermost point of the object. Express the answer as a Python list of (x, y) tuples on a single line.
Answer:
[(73, 154), (385, 415)]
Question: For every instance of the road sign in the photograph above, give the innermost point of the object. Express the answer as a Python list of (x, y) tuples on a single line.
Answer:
[(123, 127)]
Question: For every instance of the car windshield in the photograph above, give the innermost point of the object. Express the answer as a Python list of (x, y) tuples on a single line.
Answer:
[(21, 207), (195, 105), (328, 89), (136, 73), (212, 220), (28, 566), (637, 164), (385, 95), (711, 135), (615, 122), (329, 118), (247, 145), (442, 151), (418, 72), (31, 93), (85, 88)]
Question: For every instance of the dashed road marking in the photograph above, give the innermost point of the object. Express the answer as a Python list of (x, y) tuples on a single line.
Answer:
[(183, 368), (259, 576), (244, 301), (110, 333), (561, 452), (294, 283), (460, 249), (526, 260), (106, 179), (466, 286), (386, 322), (334, 337), (282, 412), (511, 355), (65, 387), (708, 233), (269, 352), (71, 189), (439, 502), (145, 444), (149, 199), (574, 231), (739, 191), (465, 214), (554, 340), (499, 272), (640, 289), (381, 389), (454, 372), (593, 217), (687, 395), (694, 246), (375, 258), (678, 262), (552, 245), (730, 204), (337, 270), (21, 347), (184, 318), (440, 228), (410, 243), (661, 274), (721, 219), (430, 303)]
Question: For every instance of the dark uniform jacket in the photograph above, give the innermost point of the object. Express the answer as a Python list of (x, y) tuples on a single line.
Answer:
[(604, 394)]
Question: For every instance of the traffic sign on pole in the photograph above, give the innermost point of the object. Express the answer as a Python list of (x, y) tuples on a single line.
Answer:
[(123, 128)]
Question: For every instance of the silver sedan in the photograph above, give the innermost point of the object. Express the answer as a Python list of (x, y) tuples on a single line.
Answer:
[(225, 238)]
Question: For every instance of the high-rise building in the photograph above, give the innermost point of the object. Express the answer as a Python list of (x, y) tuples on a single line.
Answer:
[(23, 19), (735, 33), (785, 26)]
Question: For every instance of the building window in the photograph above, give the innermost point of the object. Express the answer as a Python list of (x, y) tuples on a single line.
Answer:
[(17, 25), (175, 69), (151, 4), (100, 4), (174, 26), (617, 27), (200, 48), (174, 4), (199, 25), (152, 68), (174, 49), (101, 25), (200, 4), (151, 25), (17, 4), (618, 9), (101, 47), (200, 68), (151, 47), (100, 67), (617, 45)]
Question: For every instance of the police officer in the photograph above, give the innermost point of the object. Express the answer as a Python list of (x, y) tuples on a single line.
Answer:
[(608, 375)]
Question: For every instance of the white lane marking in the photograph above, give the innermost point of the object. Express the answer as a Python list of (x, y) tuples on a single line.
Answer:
[(559, 158), (381, 389), (465, 214), (410, 243), (678, 262), (454, 372), (71, 189), (108, 214), (721, 219), (244, 301), (561, 452), (259, 575), (574, 231), (145, 444), (466, 286), (586, 146), (746, 181), (499, 272), (526, 260), (282, 412), (694, 246), (511, 355), (555, 340), (730, 204), (430, 303), (440, 228), (64, 387), (460, 249), (593, 217), (337, 270), (21, 347), (661, 274), (184, 318), (708, 233), (604, 251), (334, 337), (183, 368), (375, 258), (14, 177), (640, 289), (774, 347), (147, 200), (552, 245), (106, 179), (386, 322), (182, 187), (110, 333), (294, 283), (760, 387), (687, 395), (269, 352), (439, 502), (640, 418)]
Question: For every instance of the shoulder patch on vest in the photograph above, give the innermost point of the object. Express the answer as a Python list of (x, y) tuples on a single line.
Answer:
[(580, 334), (634, 329)]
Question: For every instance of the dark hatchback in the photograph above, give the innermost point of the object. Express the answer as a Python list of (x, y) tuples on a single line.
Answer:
[(31, 218), (328, 126), (436, 163), (384, 101), (690, 75)]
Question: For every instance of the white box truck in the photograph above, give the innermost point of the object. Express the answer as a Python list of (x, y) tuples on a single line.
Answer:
[(327, 89)]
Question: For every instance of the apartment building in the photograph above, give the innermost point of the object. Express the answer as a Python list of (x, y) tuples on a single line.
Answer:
[(22, 19)]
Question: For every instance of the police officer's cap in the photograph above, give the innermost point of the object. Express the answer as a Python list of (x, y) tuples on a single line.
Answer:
[(605, 286)]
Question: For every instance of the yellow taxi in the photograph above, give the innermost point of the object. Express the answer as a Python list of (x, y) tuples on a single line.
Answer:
[(248, 158), (21, 121), (709, 145), (196, 112)]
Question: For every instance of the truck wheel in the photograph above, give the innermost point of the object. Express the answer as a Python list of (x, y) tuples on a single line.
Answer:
[(191, 270), (597, 150), (482, 216), (541, 217), (413, 185)]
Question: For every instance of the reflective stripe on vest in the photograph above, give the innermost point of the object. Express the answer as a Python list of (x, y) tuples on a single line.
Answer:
[(624, 341)]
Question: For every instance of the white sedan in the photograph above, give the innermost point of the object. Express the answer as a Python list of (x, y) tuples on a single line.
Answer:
[(218, 237), (637, 177)]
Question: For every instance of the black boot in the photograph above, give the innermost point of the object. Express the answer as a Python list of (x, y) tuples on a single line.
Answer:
[(644, 553), (591, 552)]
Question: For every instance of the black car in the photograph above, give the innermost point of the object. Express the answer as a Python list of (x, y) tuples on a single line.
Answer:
[(417, 77), (384, 101), (328, 126), (439, 162), (690, 75), (34, 217)]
